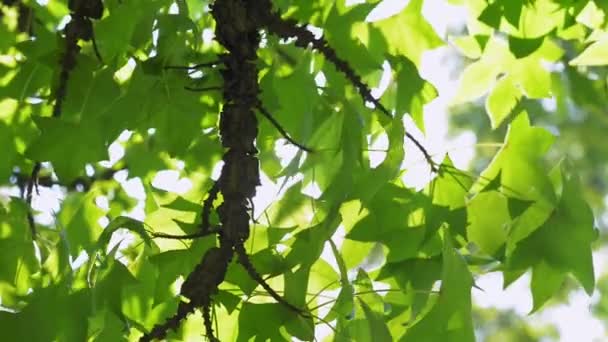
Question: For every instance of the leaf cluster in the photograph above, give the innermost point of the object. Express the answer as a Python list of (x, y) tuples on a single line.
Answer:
[(372, 258)]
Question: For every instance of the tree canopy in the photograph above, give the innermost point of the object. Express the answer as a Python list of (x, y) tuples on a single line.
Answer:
[(288, 100)]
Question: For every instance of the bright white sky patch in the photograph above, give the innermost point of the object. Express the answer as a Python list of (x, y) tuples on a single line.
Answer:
[(169, 180)]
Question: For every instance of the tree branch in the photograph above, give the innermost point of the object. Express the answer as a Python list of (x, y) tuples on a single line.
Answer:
[(281, 130)]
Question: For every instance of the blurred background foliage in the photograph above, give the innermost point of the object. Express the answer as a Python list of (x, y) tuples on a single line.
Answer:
[(575, 111)]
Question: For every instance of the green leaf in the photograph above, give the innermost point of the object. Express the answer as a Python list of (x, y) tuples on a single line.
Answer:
[(17, 257), (450, 188), (229, 300), (522, 47), (322, 168), (491, 15), (476, 79), (249, 318), (9, 155), (415, 277), (546, 282), (539, 19), (309, 243), (517, 206), (502, 100), (387, 222), (67, 310), (103, 325), (173, 38), (27, 80), (377, 178), (563, 243), (175, 132), (296, 285), (393, 245), (352, 252), (123, 222), (594, 54), (534, 79), (345, 29), (365, 292), (84, 140), (409, 23), (111, 281), (298, 97), (512, 10), (79, 216), (377, 326), (345, 302), (450, 317), (524, 149), (90, 92), (470, 46), (493, 184), (413, 92), (113, 33), (489, 221)]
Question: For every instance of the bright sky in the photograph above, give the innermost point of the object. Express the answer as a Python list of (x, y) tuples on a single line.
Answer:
[(574, 321)]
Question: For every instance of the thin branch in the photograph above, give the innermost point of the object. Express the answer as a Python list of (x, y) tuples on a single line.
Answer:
[(281, 130), (425, 153), (244, 260), (207, 205), (96, 50), (32, 183), (287, 28), (192, 236), (22, 181)]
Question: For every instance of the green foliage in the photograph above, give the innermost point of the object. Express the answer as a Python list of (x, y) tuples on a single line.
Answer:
[(371, 258)]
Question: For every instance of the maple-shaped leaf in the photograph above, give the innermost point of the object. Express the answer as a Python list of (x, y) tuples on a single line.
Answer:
[(450, 317), (560, 246)]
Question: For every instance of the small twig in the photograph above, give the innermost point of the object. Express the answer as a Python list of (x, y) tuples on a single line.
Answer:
[(252, 211), (32, 184), (185, 236), (96, 49), (244, 260), (425, 153), (281, 130), (207, 205), (22, 181)]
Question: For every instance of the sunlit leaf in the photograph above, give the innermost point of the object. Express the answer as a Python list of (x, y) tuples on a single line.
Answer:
[(564, 240), (595, 54), (450, 317), (411, 24), (502, 100)]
